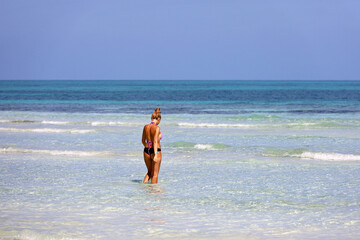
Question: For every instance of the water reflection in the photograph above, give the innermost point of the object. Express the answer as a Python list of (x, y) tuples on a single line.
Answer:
[(155, 208), (150, 189), (136, 181), (153, 189)]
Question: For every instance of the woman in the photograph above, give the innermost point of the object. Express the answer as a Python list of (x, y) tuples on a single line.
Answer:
[(152, 150)]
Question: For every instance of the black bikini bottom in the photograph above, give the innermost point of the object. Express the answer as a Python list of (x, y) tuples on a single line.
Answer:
[(146, 150)]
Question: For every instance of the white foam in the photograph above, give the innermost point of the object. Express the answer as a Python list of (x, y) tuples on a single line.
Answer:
[(301, 124), (307, 154), (57, 152), (43, 122), (47, 130), (56, 122), (330, 156), (92, 123), (111, 123), (315, 125), (204, 146), (216, 125)]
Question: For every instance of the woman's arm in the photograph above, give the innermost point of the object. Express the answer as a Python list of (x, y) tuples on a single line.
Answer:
[(156, 144), (144, 137)]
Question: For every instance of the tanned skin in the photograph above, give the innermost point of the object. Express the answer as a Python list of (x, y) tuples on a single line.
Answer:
[(151, 132)]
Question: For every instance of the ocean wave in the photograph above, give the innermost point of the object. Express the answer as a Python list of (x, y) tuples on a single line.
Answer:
[(321, 125), (58, 122), (57, 152), (116, 123), (181, 144), (244, 126), (18, 121), (47, 130), (91, 123), (330, 156), (293, 125), (253, 117), (211, 146), (216, 125), (198, 146), (33, 121), (307, 154), (236, 122)]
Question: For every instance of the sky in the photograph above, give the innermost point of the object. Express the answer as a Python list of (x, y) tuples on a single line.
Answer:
[(180, 39)]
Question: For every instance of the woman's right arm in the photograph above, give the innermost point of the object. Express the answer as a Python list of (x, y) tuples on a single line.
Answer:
[(144, 137)]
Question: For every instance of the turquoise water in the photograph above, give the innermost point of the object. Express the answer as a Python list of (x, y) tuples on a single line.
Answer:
[(241, 160)]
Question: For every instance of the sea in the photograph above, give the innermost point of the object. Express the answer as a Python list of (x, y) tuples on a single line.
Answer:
[(240, 160)]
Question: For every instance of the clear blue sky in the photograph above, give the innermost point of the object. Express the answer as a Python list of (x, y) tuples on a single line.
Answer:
[(180, 39)]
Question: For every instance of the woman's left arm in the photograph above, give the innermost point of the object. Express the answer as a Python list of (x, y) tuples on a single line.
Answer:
[(156, 144)]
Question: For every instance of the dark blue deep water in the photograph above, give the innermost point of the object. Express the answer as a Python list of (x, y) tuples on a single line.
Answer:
[(192, 97)]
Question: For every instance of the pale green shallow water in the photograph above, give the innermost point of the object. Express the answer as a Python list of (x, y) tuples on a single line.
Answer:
[(78, 176)]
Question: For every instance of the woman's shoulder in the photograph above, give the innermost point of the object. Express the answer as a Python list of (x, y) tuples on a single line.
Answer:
[(154, 127)]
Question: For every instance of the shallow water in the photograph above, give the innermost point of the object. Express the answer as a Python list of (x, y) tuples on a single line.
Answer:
[(268, 173)]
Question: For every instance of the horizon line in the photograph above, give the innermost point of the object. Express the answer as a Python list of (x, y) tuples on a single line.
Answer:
[(179, 79)]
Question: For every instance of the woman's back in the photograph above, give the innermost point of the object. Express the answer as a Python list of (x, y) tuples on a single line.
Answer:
[(150, 132)]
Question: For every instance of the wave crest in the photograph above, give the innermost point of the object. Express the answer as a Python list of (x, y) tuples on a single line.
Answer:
[(216, 125), (307, 154), (330, 156), (47, 130), (111, 123), (91, 123), (57, 152), (57, 122), (199, 146)]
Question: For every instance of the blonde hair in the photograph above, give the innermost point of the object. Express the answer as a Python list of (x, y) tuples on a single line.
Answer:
[(156, 114)]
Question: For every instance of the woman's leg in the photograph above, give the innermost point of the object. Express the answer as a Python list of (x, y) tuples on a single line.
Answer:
[(148, 164), (155, 169)]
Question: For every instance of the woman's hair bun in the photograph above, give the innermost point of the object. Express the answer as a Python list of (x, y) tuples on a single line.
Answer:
[(156, 114)]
